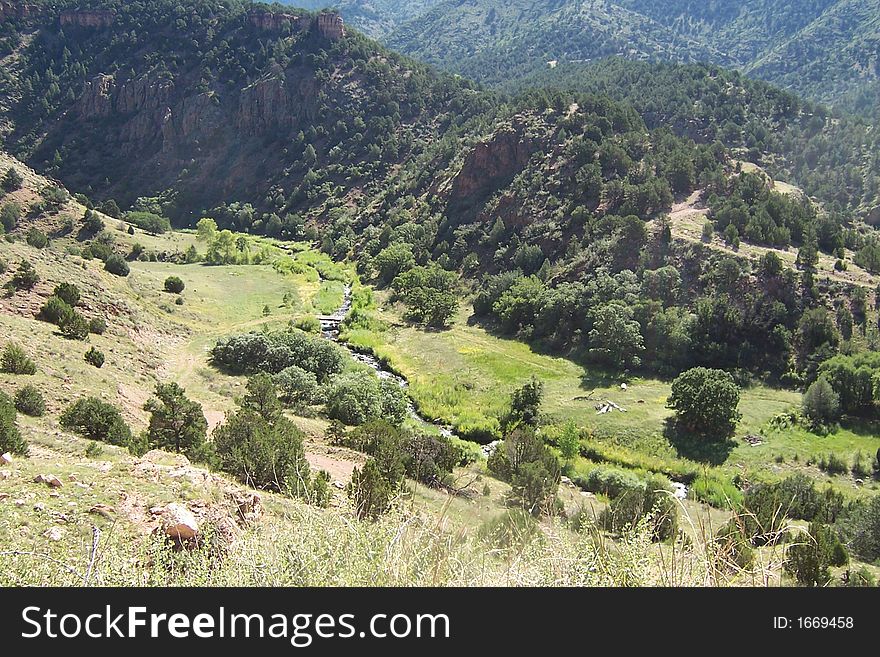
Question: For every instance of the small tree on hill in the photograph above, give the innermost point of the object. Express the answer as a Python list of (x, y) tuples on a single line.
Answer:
[(16, 361), (174, 285), (12, 180), (25, 277), (705, 401), (176, 422), (821, 405), (810, 558), (68, 293), (10, 437)]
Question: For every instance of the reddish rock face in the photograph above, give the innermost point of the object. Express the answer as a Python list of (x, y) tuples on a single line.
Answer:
[(17, 9), (88, 17), (274, 21), (492, 164), (331, 26)]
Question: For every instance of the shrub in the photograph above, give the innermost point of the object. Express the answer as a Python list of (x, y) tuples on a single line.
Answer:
[(705, 402), (10, 214), (833, 464), (29, 401), (296, 387), (354, 398), (821, 405), (93, 450), (68, 293), (116, 264), (25, 277), (97, 326), (10, 437), (12, 180), (176, 422), (15, 361), (273, 352), (97, 420), (266, 455), (92, 223), (94, 357), (74, 326), (55, 310), (513, 529), (309, 324), (810, 558), (174, 285), (37, 238), (653, 498), (530, 467), (610, 482), (370, 492), (859, 524), (150, 222)]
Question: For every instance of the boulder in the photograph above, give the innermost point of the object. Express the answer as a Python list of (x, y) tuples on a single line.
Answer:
[(54, 533), (179, 523), (5, 458), (50, 480)]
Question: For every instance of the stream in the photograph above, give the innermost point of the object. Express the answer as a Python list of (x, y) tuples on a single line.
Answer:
[(330, 330)]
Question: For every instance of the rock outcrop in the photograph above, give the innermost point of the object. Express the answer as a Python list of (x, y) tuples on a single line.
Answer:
[(491, 165), (88, 17), (271, 21), (331, 25), (179, 523), (10, 9)]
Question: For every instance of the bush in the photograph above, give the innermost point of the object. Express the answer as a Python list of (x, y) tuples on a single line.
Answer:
[(97, 326), (55, 310), (116, 264), (68, 293), (74, 326), (309, 324), (821, 405), (25, 277), (859, 525), (29, 401), (10, 214), (610, 482), (705, 402), (810, 558), (370, 491), (176, 422), (266, 455), (10, 437), (92, 223), (12, 180), (15, 361), (355, 398), (296, 387), (833, 464), (513, 529), (174, 285), (150, 222), (93, 450), (97, 420), (37, 238), (652, 498), (530, 467), (273, 352), (94, 357)]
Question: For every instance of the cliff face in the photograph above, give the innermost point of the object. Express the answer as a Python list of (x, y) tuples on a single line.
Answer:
[(9, 9), (492, 164), (331, 26), (275, 21), (88, 17)]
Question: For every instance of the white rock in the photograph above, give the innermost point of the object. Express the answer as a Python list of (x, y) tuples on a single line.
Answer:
[(6, 458), (54, 534), (5, 474), (179, 522)]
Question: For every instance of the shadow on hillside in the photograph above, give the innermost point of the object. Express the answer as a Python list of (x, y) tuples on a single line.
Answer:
[(695, 447)]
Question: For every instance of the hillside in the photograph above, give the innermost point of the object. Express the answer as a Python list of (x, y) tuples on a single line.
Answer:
[(633, 304), (823, 49)]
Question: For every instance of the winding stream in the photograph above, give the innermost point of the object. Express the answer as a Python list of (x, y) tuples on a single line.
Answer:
[(330, 330)]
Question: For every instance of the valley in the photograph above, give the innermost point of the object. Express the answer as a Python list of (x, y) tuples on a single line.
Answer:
[(282, 306)]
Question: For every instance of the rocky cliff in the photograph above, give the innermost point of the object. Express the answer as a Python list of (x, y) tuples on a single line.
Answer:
[(276, 21), (88, 17)]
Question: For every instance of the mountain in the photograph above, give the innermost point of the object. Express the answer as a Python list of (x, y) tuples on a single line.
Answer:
[(375, 18), (253, 102), (821, 49)]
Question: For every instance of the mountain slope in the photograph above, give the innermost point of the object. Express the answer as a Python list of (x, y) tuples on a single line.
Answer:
[(822, 49)]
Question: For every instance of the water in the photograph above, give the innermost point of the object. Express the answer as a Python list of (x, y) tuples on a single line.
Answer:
[(330, 330)]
